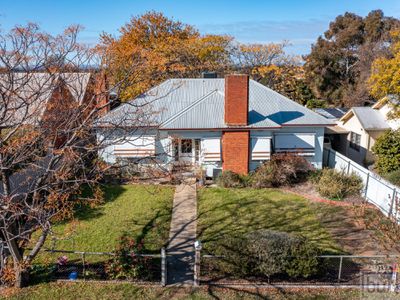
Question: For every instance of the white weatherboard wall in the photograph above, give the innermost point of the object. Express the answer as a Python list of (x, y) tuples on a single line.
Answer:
[(377, 191), (135, 144), (210, 154), (305, 137), (261, 141)]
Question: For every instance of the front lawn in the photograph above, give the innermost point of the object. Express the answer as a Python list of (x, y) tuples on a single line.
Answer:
[(235, 212), (143, 211), (91, 290)]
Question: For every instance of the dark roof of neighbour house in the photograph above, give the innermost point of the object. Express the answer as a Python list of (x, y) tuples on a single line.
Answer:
[(332, 113), (199, 104), (370, 119)]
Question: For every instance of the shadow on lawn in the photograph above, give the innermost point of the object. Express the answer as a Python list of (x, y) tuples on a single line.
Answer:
[(242, 214)]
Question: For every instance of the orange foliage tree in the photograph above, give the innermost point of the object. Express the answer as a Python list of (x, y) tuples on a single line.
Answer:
[(161, 48)]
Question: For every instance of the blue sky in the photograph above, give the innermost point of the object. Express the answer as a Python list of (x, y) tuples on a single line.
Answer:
[(300, 22)]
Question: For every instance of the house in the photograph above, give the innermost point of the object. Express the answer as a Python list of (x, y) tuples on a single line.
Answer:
[(28, 98), (230, 124), (40, 99), (358, 129)]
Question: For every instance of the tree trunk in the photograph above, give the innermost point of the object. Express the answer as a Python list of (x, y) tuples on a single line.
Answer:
[(21, 277)]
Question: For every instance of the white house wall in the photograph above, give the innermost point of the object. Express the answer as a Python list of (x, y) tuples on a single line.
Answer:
[(164, 151), (354, 125), (316, 159)]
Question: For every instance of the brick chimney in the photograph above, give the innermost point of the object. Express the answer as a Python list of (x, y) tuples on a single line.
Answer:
[(101, 95), (235, 143), (236, 99)]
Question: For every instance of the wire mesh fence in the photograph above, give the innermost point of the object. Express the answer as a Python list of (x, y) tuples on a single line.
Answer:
[(80, 265), (332, 270)]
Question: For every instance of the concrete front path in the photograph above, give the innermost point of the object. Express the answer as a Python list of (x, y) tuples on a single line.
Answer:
[(180, 249)]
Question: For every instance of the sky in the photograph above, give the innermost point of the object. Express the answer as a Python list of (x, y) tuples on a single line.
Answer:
[(300, 22)]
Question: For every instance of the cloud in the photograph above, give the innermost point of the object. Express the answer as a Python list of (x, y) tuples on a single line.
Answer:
[(300, 33)]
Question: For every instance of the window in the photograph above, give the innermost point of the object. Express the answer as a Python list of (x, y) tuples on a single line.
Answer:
[(186, 146), (355, 141)]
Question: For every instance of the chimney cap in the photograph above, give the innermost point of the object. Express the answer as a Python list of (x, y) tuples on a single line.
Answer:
[(209, 74)]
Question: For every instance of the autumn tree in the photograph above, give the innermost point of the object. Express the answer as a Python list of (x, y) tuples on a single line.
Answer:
[(161, 48), (47, 147), (385, 76), (288, 80), (252, 59), (339, 64)]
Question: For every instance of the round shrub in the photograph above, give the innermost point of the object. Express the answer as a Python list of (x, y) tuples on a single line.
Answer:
[(229, 179), (335, 184), (268, 253), (277, 252), (282, 169)]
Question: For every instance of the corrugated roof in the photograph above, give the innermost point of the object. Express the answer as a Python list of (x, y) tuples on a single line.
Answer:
[(199, 103), (370, 118), (27, 94)]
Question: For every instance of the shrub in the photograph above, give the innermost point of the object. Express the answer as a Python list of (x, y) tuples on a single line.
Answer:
[(335, 184), (268, 253), (393, 177), (387, 150), (282, 169), (281, 253), (126, 264), (229, 179)]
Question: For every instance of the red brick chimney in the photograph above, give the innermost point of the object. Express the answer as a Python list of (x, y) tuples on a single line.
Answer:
[(101, 95), (236, 99), (235, 144)]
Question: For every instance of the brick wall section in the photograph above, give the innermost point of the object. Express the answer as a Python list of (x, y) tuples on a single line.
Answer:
[(100, 92), (236, 99), (235, 151)]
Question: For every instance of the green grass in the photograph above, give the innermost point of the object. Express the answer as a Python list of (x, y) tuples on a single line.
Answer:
[(144, 211), (235, 212), (118, 291)]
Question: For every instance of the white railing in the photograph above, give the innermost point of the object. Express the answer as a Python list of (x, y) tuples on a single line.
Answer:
[(377, 191)]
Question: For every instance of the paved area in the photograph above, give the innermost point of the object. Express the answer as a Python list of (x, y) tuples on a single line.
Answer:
[(180, 250)]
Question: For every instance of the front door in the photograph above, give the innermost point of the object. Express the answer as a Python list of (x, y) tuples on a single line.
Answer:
[(186, 151)]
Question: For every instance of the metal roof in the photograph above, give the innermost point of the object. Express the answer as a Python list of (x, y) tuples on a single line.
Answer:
[(370, 119), (199, 103), (26, 94)]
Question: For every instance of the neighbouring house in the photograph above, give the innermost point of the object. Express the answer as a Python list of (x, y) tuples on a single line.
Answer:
[(37, 98), (29, 97), (219, 124), (358, 128)]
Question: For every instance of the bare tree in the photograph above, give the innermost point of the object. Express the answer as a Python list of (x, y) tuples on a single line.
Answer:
[(249, 57), (50, 98)]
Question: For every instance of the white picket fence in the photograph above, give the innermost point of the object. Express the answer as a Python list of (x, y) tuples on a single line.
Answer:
[(377, 191)]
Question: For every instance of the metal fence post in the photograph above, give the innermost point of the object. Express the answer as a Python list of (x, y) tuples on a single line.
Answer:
[(163, 267), (348, 167), (340, 268), (196, 280), (366, 187), (83, 265), (392, 202)]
